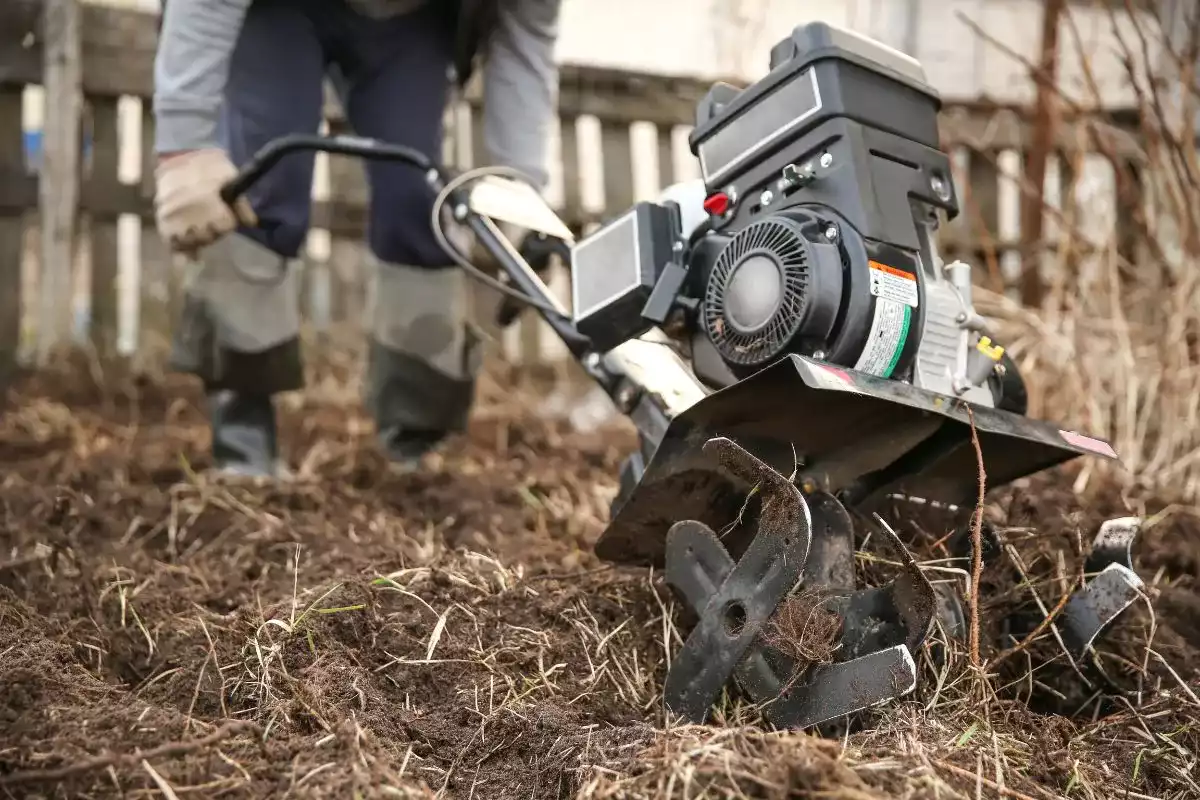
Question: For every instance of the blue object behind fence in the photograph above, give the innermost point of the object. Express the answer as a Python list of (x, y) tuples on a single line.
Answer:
[(33, 163), (33, 148)]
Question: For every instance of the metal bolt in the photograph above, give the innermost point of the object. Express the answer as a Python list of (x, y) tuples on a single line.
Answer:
[(460, 212), (819, 355), (677, 247), (766, 197), (831, 233), (940, 189), (591, 360), (732, 193), (826, 159)]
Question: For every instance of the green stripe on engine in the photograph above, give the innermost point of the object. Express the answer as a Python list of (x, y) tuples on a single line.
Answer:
[(903, 339)]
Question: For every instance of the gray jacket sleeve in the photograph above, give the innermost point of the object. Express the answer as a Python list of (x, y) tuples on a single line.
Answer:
[(520, 86), (520, 78), (191, 66)]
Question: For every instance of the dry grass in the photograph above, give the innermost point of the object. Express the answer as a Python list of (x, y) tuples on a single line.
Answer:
[(804, 629), (1113, 350)]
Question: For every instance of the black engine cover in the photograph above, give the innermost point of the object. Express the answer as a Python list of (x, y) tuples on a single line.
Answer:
[(841, 130)]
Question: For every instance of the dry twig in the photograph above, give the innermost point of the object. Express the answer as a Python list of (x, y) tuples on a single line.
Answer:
[(976, 542), (169, 750)]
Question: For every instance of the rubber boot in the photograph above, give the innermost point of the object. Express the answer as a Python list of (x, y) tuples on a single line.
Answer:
[(422, 362), (415, 406), (244, 443), (405, 448)]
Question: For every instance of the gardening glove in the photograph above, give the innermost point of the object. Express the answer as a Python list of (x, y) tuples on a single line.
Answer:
[(188, 208)]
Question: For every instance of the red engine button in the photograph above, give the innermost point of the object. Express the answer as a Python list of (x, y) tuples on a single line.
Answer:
[(716, 204)]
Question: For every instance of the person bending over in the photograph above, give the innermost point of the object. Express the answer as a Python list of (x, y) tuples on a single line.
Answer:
[(230, 76)]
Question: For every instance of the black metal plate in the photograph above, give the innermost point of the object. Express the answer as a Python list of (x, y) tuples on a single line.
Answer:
[(841, 422)]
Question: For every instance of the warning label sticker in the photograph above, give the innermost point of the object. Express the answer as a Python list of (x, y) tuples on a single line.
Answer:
[(893, 284), (889, 332), (830, 378), (1088, 443)]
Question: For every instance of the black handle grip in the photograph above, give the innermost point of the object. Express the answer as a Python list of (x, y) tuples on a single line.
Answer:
[(536, 249), (266, 158)]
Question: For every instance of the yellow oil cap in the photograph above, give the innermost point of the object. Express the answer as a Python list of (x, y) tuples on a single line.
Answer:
[(992, 351)]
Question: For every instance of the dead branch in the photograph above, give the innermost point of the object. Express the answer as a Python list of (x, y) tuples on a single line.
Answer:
[(168, 750), (976, 541), (1045, 123)]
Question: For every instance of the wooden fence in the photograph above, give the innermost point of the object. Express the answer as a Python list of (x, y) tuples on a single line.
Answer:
[(620, 137)]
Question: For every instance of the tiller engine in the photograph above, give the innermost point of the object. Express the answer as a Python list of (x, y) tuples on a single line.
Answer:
[(792, 350)]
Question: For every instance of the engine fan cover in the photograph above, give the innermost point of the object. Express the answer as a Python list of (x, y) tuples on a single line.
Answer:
[(771, 291)]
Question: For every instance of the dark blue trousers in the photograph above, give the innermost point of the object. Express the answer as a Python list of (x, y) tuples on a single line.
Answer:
[(393, 76)]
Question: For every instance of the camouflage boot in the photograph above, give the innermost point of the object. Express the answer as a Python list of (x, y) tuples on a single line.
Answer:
[(423, 361), (239, 333)]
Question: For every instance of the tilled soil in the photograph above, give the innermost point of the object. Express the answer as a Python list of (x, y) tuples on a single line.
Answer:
[(355, 633)]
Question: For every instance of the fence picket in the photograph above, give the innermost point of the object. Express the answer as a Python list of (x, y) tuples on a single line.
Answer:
[(12, 226), (103, 181)]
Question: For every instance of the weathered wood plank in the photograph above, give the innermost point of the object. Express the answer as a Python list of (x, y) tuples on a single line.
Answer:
[(666, 155), (59, 184), (20, 191), (617, 155), (571, 196), (20, 49), (118, 45), (12, 160), (159, 280), (981, 207), (103, 177)]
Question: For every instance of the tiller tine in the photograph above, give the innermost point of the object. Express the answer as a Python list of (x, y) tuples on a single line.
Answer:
[(1112, 589), (848, 440), (733, 601), (1111, 585), (797, 542)]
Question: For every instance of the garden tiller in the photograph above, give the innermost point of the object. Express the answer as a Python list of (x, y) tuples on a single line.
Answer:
[(791, 349)]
